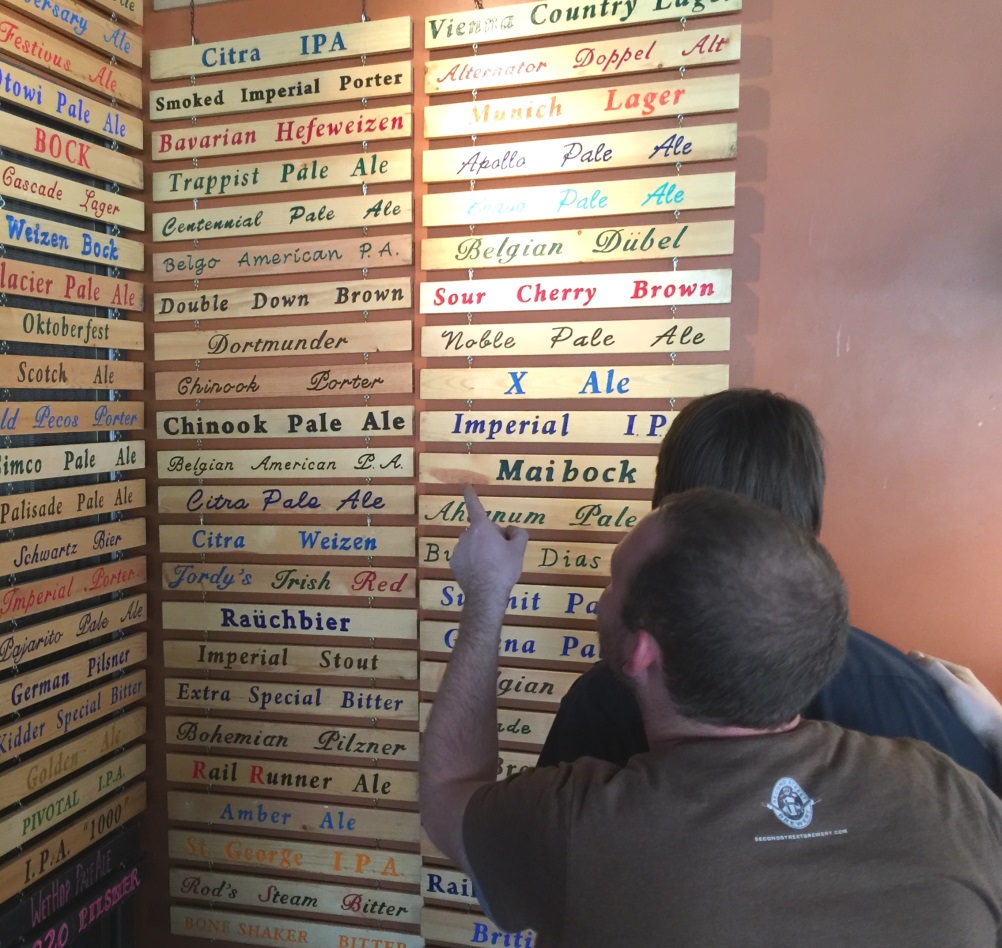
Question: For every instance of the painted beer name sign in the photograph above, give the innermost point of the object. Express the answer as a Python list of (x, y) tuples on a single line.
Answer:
[(52, 548), (300, 541), (65, 240), (60, 417), (69, 373), (23, 464), (471, 928), (289, 501), (600, 470), (60, 329), (70, 286), (551, 512), (68, 502), (584, 559), (559, 645), (566, 602), (288, 423), (316, 462), (584, 427), (279, 49), (513, 684)]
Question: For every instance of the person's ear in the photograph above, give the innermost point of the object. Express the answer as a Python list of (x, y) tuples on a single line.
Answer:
[(644, 655)]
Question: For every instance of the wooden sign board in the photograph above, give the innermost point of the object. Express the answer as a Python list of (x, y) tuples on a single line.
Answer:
[(285, 218), (651, 52), (318, 423), (307, 779), (29, 688), (71, 460), (572, 153), (40, 186), (560, 473), (519, 642), (26, 599), (518, 20), (320, 44), (285, 341), (627, 103), (325, 542), (513, 684), (82, 24), (316, 462), (339, 84), (588, 245), (21, 278), (59, 373), (39, 772), (67, 503), (541, 556), (290, 500), (39, 235), (327, 170), (32, 418), (61, 329), (276, 737), (131, 10), (37, 730), (556, 602), (448, 885), (295, 817), (47, 638), (389, 378), (516, 726), (442, 927), (48, 811), (36, 94), (627, 381), (34, 864), (268, 930), (289, 300), (281, 134), (581, 291), (310, 621), (309, 897), (273, 260), (551, 513), (51, 549), (564, 202), (532, 427), (577, 338), (45, 51)]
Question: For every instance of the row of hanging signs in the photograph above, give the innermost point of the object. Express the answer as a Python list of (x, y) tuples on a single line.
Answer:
[(291, 460), (72, 642)]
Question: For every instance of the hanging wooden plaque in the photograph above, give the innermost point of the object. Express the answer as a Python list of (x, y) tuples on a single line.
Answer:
[(624, 103), (390, 378), (292, 776), (325, 542), (319, 44), (51, 549), (289, 300), (34, 731), (270, 698), (288, 580), (327, 170), (541, 556), (284, 218), (32, 92), (286, 341), (277, 620), (84, 25), (45, 51), (57, 635), (551, 513), (67, 503), (564, 202), (339, 84), (38, 235), (131, 10), (70, 460), (519, 20), (447, 885), (43, 814), (269, 930), (519, 642), (225, 734), (627, 381), (563, 602), (60, 373), (66, 758), (290, 500), (571, 153), (443, 927), (35, 863), (63, 329), (515, 726), (32, 418), (347, 422), (21, 278), (561, 473), (349, 253), (542, 427), (294, 817), (590, 245), (40, 186), (314, 462), (316, 898), (514, 684), (652, 52), (281, 134)]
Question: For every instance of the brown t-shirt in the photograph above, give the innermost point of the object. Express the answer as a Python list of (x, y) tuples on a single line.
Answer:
[(816, 837)]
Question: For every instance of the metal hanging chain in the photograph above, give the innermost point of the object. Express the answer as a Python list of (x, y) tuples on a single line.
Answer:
[(365, 16)]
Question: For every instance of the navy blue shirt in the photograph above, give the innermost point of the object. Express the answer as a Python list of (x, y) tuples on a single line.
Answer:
[(878, 690)]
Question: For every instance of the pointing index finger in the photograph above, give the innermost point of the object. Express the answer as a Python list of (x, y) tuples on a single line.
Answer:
[(474, 509)]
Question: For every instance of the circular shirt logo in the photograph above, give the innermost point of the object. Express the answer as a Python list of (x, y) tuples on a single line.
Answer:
[(790, 804)]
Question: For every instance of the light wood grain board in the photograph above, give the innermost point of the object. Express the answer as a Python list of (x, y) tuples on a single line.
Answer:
[(536, 601), (53, 372), (69, 286), (59, 329), (39, 235), (51, 549), (68, 460), (292, 422), (549, 513), (520, 642), (541, 556), (290, 500), (545, 427), (329, 463), (65, 503), (67, 417)]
